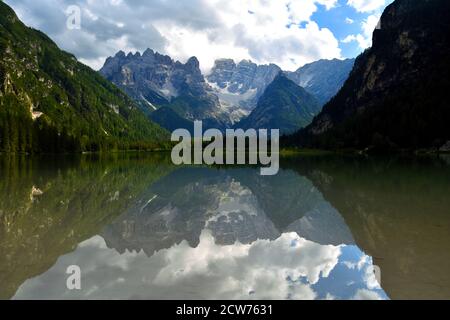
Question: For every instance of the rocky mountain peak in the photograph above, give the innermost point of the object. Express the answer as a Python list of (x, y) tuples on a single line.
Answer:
[(148, 53), (193, 63), (120, 54), (241, 84), (323, 78)]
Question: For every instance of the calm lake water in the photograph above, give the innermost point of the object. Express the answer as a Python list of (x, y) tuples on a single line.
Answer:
[(325, 227)]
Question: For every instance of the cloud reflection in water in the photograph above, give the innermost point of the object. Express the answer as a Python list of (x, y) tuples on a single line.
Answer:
[(289, 267)]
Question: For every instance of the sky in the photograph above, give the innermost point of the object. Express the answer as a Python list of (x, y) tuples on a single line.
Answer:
[(289, 33)]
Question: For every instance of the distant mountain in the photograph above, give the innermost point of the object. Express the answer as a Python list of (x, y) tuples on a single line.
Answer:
[(239, 86), (284, 105), (323, 78), (49, 102), (155, 80), (397, 94), (228, 95)]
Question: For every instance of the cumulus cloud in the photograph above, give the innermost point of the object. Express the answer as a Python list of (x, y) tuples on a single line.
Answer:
[(281, 32), (261, 270), (366, 5), (364, 39), (365, 294)]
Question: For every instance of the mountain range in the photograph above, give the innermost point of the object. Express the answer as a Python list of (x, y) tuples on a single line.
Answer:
[(49, 102), (395, 97), (156, 81), (172, 93)]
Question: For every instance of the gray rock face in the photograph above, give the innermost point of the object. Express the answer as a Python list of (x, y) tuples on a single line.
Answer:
[(152, 71), (222, 72), (156, 80), (241, 85), (323, 78)]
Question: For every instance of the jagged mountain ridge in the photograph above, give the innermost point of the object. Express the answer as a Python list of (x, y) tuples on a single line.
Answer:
[(323, 78), (223, 98), (156, 80)]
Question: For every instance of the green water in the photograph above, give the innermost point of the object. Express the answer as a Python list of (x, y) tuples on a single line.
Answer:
[(139, 227)]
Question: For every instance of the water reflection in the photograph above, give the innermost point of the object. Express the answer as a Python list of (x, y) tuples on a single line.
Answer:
[(141, 228), (235, 205), (289, 267), (398, 210)]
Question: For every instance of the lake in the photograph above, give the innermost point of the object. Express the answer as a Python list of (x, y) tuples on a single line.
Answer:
[(138, 227)]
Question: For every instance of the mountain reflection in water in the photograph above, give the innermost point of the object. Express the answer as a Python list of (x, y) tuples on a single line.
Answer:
[(140, 228)]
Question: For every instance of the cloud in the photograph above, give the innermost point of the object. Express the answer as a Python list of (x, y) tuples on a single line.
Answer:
[(281, 32), (359, 264), (261, 270), (349, 21), (365, 294), (364, 39), (366, 5)]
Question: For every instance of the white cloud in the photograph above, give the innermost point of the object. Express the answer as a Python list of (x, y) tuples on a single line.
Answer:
[(208, 29), (349, 21), (365, 294), (366, 5), (241, 271), (255, 30), (364, 39), (370, 278), (363, 261)]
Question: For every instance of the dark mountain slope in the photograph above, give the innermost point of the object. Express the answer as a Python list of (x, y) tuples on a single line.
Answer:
[(284, 106), (170, 120), (397, 94)]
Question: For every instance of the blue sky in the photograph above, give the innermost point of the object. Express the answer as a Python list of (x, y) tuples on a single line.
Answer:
[(209, 29), (344, 20)]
